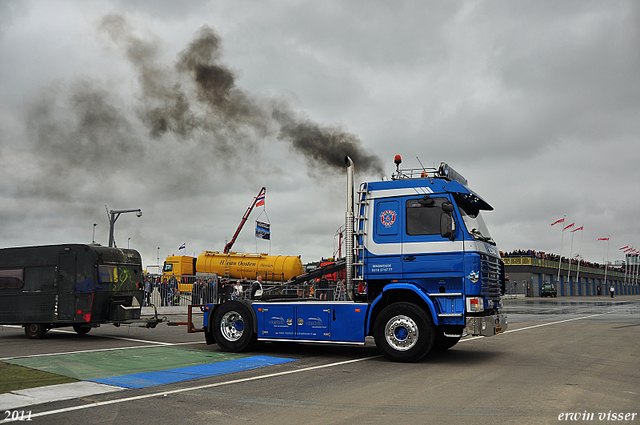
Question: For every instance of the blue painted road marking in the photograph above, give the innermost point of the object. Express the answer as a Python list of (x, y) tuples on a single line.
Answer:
[(169, 376)]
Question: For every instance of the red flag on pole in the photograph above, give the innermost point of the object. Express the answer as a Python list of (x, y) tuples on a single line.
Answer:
[(559, 221), (570, 225), (603, 239), (577, 228), (624, 247)]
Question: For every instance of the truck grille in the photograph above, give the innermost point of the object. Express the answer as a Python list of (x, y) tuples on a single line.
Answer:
[(491, 277)]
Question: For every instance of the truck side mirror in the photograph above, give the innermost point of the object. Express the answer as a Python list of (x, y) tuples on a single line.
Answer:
[(447, 226), (447, 207)]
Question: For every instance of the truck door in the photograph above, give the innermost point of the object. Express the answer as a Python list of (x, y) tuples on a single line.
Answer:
[(384, 248), (66, 285), (426, 254)]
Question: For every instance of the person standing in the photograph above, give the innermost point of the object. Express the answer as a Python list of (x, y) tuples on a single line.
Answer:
[(611, 290), (147, 292), (173, 291), (164, 292), (256, 288), (323, 288), (196, 291)]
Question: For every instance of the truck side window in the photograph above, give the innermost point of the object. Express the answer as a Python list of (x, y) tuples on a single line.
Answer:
[(11, 278), (423, 218)]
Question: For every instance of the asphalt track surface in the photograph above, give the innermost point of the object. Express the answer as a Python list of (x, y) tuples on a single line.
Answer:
[(566, 356)]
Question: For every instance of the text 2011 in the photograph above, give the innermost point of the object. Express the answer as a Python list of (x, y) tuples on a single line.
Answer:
[(17, 415)]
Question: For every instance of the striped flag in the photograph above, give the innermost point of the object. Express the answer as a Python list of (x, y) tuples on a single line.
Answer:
[(624, 247), (570, 225), (577, 228), (559, 221), (603, 239), (183, 246)]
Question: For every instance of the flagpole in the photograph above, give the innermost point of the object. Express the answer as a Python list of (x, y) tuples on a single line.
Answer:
[(560, 254), (580, 259), (605, 264), (626, 268), (636, 266), (570, 254)]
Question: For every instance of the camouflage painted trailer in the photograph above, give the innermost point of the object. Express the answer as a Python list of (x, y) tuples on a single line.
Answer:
[(44, 287)]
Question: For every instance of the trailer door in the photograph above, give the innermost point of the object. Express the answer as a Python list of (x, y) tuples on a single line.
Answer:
[(66, 285)]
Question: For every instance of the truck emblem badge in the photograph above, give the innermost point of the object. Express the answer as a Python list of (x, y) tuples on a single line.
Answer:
[(388, 217), (474, 276)]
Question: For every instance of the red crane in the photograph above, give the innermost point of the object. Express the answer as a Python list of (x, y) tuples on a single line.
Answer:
[(260, 195)]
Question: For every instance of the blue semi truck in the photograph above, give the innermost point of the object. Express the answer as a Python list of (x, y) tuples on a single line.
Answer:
[(420, 247)]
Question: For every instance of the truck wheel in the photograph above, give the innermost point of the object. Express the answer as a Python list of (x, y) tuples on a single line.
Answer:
[(81, 330), (35, 330), (403, 332), (233, 327)]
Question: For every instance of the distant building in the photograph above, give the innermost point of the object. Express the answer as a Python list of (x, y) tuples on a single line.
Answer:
[(527, 274)]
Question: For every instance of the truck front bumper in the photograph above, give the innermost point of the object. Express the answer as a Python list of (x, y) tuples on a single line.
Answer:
[(487, 325)]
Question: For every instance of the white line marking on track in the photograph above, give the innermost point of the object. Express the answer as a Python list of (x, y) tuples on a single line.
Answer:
[(255, 378), (97, 350), (534, 326)]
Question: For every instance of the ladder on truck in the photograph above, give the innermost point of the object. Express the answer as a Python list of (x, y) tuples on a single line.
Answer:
[(362, 205)]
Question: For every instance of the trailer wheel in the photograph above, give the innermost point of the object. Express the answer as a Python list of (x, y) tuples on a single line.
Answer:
[(35, 330), (81, 330), (403, 332), (233, 327)]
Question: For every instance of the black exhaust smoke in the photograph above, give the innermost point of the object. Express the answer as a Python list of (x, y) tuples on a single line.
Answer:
[(199, 94)]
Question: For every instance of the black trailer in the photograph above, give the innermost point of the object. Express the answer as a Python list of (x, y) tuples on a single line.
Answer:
[(44, 287)]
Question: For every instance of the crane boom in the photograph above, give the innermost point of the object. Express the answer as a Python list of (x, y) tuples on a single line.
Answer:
[(228, 246)]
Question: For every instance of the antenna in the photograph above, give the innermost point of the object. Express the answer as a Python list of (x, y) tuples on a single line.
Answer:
[(424, 169), (426, 173)]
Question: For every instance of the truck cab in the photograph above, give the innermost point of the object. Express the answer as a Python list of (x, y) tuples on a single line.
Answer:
[(421, 237), (182, 267)]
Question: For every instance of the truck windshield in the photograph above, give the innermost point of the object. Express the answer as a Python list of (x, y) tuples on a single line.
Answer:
[(168, 267), (474, 223)]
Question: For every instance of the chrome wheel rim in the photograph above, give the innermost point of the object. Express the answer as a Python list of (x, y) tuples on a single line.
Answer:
[(401, 333), (232, 326)]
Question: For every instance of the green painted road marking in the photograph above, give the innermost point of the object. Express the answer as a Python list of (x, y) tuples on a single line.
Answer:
[(16, 377), (97, 365)]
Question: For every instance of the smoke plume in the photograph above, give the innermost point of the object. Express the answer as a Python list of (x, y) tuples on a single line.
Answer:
[(199, 94)]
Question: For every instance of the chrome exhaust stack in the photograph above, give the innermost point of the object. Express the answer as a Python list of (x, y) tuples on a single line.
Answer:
[(349, 229)]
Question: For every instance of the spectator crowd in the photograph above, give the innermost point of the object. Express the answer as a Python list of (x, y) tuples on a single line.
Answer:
[(554, 257)]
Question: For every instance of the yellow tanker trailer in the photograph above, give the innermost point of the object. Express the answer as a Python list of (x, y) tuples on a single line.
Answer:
[(275, 268)]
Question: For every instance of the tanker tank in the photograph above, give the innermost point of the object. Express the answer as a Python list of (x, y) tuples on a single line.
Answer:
[(274, 268)]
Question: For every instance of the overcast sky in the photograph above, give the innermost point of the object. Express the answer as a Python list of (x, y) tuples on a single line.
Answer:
[(186, 109)]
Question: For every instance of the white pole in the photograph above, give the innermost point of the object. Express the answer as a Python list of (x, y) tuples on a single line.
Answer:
[(570, 254), (580, 259), (605, 264), (560, 254)]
